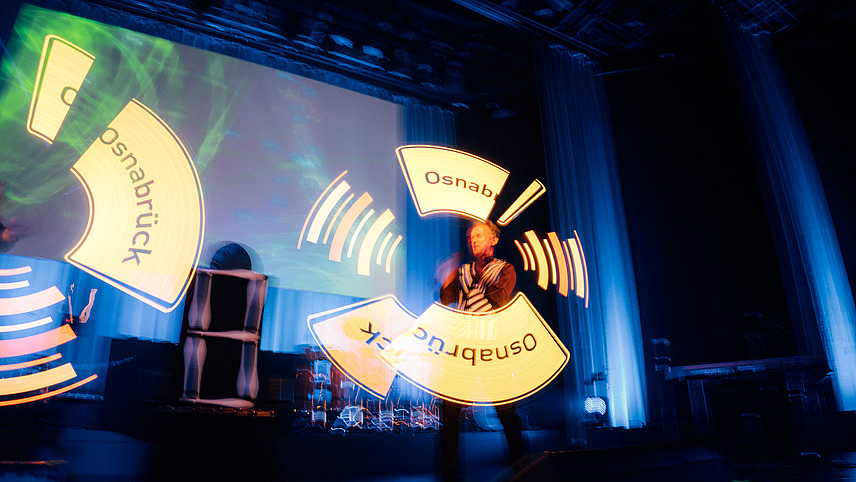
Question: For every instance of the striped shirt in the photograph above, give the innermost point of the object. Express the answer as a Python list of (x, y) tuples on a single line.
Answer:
[(490, 291)]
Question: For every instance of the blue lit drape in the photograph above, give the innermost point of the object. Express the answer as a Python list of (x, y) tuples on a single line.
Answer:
[(822, 308), (284, 327), (585, 196), (113, 314), (432, 239), (89, 352), (427, 240)]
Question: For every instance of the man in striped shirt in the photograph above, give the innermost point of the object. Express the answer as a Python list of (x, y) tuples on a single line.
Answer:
[(485, 284)]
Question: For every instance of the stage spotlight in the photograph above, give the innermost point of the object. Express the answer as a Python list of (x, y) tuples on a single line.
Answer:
[(373, 52), (596, 409), (342, 41), (595, 405)]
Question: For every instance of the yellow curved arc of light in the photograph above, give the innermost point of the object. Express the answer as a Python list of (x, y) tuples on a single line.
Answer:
[(62, 68), (31, 302), (359, 229), (442, 180), (382, 248), (579, 272), (351, 215), (15, 271), (336, 215), (569, 261), (325, 210), (14, 285), (540, 258), (36, 343), (561, 262), (490, 358), (522, 255), (48, 394), (146, 220), (36, 381), (585, 267), (364, 258), (551, 259), (31, 363), (391, 252), (26, 326), (315, 206)]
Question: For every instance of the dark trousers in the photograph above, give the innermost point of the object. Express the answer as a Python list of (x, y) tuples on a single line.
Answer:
[(449, 429)]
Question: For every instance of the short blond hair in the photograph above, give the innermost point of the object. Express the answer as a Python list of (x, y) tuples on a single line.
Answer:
[(494, 229)]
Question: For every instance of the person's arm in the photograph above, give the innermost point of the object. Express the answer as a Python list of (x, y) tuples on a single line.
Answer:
[(499, 293), (450, 289)]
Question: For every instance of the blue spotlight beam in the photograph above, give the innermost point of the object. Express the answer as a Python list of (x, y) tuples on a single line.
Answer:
[(808, 247), (582, 173)]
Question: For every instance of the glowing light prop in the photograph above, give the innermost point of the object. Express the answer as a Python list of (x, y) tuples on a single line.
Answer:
[(31, 363), (471, 358), (39, 373), (560, 262), (146, 214), (49, 393), (36, 343), (353, 336), (31, 302), (35, 381), (479, 358), (448, 181), (62, 69), (341, 223), (14, 285), (533, 192)]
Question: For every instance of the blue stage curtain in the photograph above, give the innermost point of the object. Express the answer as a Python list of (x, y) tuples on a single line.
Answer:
[(284, 327), (429, 240), (113, 314), (813, 271), (89, 352), (585, 195)]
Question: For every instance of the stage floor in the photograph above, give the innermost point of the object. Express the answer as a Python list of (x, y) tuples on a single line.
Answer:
[(63, 453), (192, 447)]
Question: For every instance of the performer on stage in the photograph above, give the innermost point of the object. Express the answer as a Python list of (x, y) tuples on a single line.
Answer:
[(485, 284)]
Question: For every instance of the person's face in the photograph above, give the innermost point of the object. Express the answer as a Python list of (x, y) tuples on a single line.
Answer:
[(481, 241)]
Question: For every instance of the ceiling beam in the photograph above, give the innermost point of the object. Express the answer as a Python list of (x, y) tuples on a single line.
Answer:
[(525, 24)]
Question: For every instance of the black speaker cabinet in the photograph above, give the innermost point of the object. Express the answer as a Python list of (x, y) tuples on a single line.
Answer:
[(220, 338)]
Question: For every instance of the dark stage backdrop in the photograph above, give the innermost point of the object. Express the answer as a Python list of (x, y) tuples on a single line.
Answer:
[(705, 258)]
